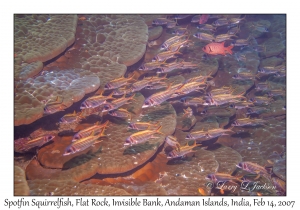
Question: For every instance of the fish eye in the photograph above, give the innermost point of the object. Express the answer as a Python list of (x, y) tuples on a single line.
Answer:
[(146, 103), (235, 76), (240, 165), (106, 107), (204, 111), (251, 99), (232, 105), (183, 100), (204, 48), (49, 137), (209, 176), (249, 110), (261, 70)]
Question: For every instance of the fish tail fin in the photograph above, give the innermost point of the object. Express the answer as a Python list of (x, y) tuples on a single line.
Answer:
[(228, 49), (209, 75), (156, 124), (230, 129), (170, 85), (105, 124), (164, 77), (110, 96), (158, 130), (102, 132), (177, 52), (99, 92), (258, 76), (194, 144), (132, 97), (129, 78)]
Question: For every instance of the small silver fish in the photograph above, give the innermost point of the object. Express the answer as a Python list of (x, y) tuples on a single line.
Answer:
[(160, 21), (196, 19), (204, 36), (248, 122), (244, 76), (207, 27), (158, 98), (221, 22), (38, 142), (82, 144), (142, 136), (256, 110)]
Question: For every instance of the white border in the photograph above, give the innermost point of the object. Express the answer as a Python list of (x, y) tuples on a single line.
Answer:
[(153, 6)]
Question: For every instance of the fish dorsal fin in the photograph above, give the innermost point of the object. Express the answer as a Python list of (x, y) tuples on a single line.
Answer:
[(222, 43), (74, 113)]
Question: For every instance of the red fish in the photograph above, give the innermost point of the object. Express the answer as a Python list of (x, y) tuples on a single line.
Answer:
[(217, 49), (203, 19)]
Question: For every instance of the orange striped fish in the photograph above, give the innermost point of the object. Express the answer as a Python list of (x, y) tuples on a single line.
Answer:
[(115, 104), (189, 87), (184, 151), (217, 49), (143, 126), (142, 136), (172, 141), (163, 56), (38, 142), (82, 144), (53, 108), (119, 82), (158, 98), (87, 132), (71, 117), (95, 101), (122, 113)]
